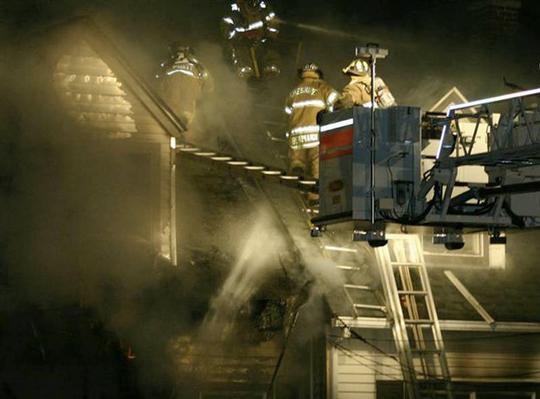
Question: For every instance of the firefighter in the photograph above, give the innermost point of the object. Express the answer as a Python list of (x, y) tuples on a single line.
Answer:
[(358, 90), (183, 81), (303, 104), (250, 28)]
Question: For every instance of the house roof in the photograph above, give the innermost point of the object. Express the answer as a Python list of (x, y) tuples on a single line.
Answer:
[(507, 295), (452, 97), (432, 97)]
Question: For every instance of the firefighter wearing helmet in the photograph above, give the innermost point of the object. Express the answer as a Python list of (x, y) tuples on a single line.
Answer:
[(250, 27), (183, 81), (358, 90), (304, 102)]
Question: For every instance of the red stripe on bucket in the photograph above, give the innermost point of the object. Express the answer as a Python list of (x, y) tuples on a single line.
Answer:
[(332, 144)]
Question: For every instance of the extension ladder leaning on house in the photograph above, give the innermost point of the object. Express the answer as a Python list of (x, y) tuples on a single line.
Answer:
[(415, 325)]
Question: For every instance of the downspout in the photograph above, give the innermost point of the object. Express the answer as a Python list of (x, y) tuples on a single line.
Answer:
[(172, 203)]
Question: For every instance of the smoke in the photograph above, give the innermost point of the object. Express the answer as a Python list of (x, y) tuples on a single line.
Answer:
[(254, 261), (322, 30), (64, 241), (74, 235), (218, 120)]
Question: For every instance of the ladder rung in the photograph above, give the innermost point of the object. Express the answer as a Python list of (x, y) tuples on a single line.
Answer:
[(412, 292), (410, 268), (370, 307), (409, 264), (335, 248), (345, 267), (426, 351), (419, 322), (438, 392), (357, 287)]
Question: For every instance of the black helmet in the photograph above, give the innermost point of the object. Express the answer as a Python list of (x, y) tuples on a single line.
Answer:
[(309, 69)]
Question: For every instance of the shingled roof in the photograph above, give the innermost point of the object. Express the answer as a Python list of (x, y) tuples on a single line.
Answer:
[(508, 295), (99, 88)]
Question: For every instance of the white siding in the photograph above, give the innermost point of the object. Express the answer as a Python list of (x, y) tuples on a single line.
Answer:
[(354, 367)]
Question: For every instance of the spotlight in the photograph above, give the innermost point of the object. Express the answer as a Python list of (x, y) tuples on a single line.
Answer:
[(375, 238), (497, 239), (315, 232), (451, 238)]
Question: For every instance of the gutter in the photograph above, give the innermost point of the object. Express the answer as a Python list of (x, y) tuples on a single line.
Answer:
[(446, 325)]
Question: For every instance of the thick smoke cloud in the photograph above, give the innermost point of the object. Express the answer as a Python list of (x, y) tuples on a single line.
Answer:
[(53, 250)]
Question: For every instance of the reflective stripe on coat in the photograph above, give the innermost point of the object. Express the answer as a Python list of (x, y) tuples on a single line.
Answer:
[(303, 104)]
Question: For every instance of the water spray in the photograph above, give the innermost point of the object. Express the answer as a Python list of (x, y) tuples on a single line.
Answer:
[(320, 29)]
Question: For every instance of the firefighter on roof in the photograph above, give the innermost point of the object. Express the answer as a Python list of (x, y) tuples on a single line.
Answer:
[(250, 27), (303, 104), (183, 81), (358, 90)]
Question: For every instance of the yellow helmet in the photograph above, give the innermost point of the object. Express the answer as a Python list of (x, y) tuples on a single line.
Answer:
[(310, 70), (358, 66)]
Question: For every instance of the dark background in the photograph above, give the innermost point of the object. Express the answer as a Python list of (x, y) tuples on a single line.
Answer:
[(428, 40)]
